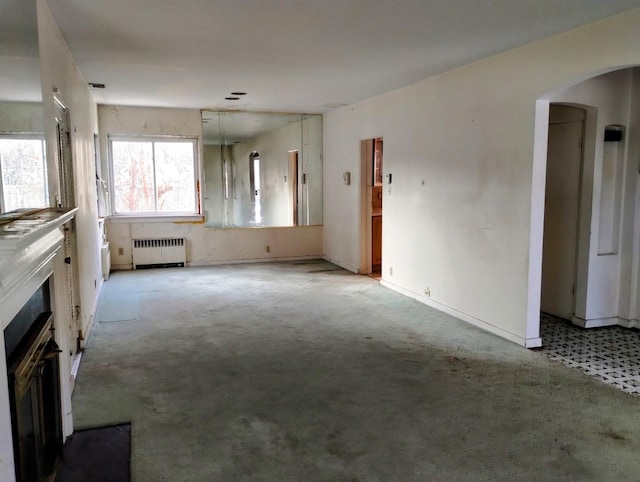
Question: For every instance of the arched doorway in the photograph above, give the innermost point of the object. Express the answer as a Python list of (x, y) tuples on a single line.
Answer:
[(586, 219)]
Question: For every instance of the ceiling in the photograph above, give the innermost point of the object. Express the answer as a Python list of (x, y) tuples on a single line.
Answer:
[(225, 128), (298, 55)]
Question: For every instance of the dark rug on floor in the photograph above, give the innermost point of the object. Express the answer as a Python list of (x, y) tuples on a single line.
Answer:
[(97, 455)]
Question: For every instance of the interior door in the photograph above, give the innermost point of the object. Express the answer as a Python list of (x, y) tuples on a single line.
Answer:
[(564, 166)]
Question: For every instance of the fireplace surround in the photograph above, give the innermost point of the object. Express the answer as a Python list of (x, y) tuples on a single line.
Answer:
[(32, 261), (34, 398)]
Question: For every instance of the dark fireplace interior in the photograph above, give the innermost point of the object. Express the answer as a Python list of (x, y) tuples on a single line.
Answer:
[(34, 389)]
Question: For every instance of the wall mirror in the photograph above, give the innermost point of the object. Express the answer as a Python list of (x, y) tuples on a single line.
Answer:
[(23, 170), (262, 169)]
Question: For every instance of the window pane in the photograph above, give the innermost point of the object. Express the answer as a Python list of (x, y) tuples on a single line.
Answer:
[(24, 181), (175, 177), (133, 176)]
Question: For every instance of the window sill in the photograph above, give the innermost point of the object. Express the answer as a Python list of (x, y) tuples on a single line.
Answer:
[(180, 218)]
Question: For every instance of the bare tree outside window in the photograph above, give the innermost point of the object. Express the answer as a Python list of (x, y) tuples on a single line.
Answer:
[(23, 173), (153, 176), (174, 177)]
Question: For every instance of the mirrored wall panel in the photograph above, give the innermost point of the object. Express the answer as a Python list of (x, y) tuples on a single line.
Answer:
[(23, 172), (262, 169)]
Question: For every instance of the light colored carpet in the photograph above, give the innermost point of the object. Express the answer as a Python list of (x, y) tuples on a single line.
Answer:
[(305, 372), (119, 306)]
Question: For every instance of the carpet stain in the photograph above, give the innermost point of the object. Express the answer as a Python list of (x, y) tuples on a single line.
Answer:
[(612, 435), (340, 450)]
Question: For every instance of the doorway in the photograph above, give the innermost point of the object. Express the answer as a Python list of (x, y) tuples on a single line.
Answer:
[(562, 210), (371, 168), (294, 196), (254, 181)]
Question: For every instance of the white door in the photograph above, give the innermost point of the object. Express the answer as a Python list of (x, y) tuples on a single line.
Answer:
[(564, 163)]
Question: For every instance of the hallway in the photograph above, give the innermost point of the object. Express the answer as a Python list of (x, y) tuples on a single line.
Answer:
[(304, 371)]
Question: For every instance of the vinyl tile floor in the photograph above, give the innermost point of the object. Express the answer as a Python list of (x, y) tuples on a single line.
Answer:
[(610, 354)]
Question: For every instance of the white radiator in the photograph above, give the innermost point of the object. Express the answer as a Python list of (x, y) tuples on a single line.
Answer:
[(159, 253)]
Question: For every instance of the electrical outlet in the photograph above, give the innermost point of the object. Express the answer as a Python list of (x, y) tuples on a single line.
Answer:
[(268, 249), (427, 292), (390, 270), (120, 251)]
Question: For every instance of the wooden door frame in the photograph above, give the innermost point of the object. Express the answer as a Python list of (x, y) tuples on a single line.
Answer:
[(367, 152)]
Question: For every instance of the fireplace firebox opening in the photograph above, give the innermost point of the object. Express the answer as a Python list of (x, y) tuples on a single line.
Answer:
[(34, 389)]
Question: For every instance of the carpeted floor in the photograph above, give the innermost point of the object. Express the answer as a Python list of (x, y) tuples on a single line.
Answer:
[(303, 371)]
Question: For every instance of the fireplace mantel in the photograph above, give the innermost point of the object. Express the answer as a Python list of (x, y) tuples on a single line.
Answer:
[(31, 244), (28, 241)]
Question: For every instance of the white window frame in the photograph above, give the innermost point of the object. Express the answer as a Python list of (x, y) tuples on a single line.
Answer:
[(39, 136), (153, 214)]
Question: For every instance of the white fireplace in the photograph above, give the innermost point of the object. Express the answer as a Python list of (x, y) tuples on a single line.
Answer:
[(31, 252)]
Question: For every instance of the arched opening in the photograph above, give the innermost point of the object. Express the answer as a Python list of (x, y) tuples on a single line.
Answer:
[(584, 261)]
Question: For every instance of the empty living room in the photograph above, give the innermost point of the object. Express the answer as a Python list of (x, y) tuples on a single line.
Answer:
[(319, 240)]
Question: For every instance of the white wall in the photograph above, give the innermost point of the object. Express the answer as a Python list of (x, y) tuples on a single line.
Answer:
[(23, 117), (58, 71), (217, 246), (461, 217), (604, 284), (631, 273)]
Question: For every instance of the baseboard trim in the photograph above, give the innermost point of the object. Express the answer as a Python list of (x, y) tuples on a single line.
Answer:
[(525, 342), (253, 260), (121, 267), (75, 367), (194, 264), (629, 323), (341, 264), (597, 322), (94, 312)]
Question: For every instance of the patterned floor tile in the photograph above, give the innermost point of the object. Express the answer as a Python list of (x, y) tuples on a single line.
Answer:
[(610, 354)]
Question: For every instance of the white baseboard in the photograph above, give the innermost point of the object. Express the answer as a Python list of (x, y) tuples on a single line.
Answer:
[(273, 259), (598, 322), (122, 267), (92, 317), (75, 367), (628, 323), (525, 342), (633, 323), (342, 265)]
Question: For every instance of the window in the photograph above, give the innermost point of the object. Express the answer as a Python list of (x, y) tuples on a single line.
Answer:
[(23, 173), (153, 176)]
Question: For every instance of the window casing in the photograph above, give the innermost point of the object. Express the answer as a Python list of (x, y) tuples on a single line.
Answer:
[(23, 172), (153, 176)]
